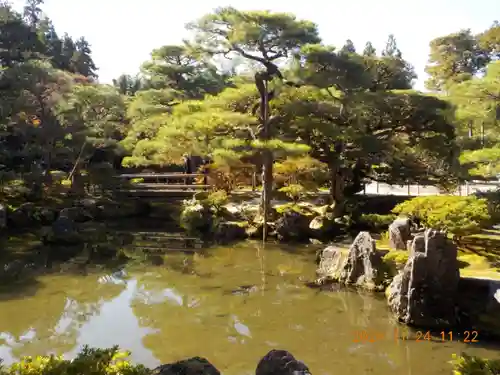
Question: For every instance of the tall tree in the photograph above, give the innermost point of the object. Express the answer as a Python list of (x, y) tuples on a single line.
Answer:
[(179, 68), (489, 41), (454, 58), (348, 47), (82, 60), (391, 48), (369, 49), (33, 12), (263, 37)]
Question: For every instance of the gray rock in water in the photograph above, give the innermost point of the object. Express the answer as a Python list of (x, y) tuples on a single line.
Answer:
[(190, 366), (63, 231), (425, 292), (361, 265), (3, 216), (399, 233), (281, 362)]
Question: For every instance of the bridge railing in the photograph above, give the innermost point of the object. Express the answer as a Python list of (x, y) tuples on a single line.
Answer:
[(162, 183)]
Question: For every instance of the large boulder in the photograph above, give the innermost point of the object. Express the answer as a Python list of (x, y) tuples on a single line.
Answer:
[(190, 366), (281, 362), (293, 223), (424, 294), (362, 265), (228, 231), (62, 231), (399, 233)]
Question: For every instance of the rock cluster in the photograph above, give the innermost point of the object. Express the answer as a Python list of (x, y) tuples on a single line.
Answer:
[(428, 291), (362, 265), (276, 362), (425, 292)]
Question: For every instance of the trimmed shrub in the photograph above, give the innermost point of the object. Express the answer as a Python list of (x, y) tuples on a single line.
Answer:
[(459, 216), (88, 361), (375, 222)]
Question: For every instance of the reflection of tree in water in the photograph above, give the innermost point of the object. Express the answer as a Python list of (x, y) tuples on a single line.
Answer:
[(207, 317), (50, 320)]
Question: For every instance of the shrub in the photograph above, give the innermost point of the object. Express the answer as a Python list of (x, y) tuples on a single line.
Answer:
[(293, 191), (88, 361), (471, 365), (303, 170), (459, 216), (493, 200), (203, 214), (376, 222)]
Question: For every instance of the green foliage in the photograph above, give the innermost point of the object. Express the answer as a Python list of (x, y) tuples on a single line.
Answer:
[(305, 170), (294, 191), (203, 214), (472, 365), (458, 215), (396, 257), (88, 361), (376, 222)]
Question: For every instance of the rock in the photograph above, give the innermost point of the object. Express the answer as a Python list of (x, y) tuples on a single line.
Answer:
[(190, 366), (399, 233), (23, 216), (293, 225), (228, 231), (46, 215), (3, 216), (362, 265), (63, 231), (281, 362), (424, 294), (479, 306), (77, 214)]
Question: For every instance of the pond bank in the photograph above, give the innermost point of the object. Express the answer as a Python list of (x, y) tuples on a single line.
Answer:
[(242, 299)]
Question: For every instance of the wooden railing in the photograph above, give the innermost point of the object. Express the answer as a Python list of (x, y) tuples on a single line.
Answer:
[(159, 184)]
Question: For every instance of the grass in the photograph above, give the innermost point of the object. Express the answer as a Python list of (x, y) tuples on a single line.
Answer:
[(479, 254)]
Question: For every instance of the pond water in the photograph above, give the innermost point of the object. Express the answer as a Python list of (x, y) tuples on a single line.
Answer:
[(229, 304)]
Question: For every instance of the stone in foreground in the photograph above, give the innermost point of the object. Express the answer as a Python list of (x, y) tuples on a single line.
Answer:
[(281, 362), (399, 233), (362, 265), (424, 294), (190, 366)]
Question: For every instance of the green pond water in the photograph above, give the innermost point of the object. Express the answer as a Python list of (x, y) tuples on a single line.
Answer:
[(229, 304)]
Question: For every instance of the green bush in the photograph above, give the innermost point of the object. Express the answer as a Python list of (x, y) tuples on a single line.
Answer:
[(293, 191), (470, 365), (88, 361), (493, 200), (459, 216), (203, 214), (375, 222)]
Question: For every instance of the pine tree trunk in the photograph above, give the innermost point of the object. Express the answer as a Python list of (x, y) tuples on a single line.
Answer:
[(337, 184), (267, 165)]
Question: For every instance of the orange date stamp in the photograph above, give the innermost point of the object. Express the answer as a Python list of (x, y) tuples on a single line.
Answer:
[(402, 334)]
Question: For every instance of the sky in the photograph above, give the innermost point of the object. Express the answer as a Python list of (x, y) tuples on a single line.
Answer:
[(122, 33)]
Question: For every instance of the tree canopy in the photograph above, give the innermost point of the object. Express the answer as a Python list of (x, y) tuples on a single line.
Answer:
[(351, 110)]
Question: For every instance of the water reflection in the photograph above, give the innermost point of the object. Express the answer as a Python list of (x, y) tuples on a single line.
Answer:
[(253, 300)]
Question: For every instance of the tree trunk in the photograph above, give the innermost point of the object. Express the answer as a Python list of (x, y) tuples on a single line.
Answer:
[(267, 165), (337, 184)]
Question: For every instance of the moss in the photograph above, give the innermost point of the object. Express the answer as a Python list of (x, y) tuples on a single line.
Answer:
[(397, 257)]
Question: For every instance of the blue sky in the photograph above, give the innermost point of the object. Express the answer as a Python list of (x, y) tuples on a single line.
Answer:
[(122, 33)]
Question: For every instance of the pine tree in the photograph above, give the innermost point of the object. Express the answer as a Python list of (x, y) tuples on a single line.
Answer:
[(82, 59), (369, 49), (391, 48)]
